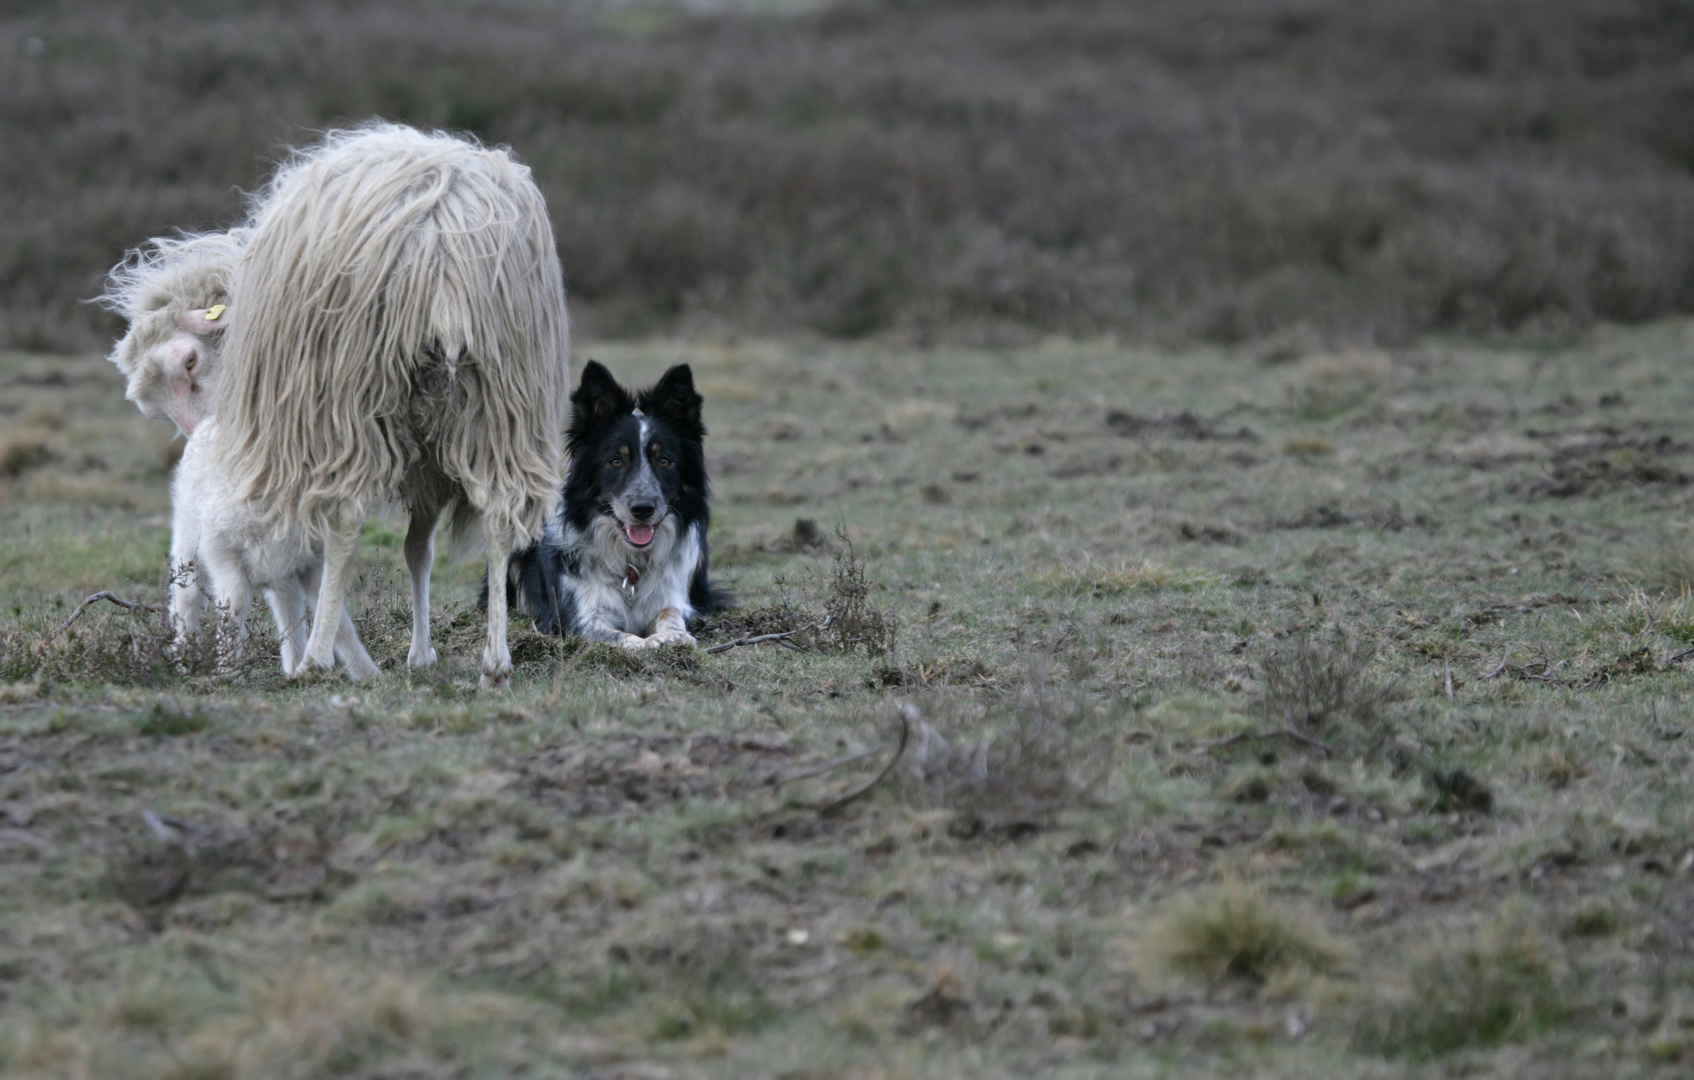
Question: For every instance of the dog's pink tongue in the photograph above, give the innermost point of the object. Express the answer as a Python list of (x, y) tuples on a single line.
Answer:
[(639, 535)]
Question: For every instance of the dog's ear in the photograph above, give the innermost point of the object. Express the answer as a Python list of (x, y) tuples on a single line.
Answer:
[(598, 395), (673, 398)]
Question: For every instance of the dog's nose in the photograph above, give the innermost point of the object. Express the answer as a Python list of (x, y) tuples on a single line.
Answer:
[(642, 511)]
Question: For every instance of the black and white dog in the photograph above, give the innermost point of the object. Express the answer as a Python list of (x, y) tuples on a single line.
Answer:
[(625, 558)]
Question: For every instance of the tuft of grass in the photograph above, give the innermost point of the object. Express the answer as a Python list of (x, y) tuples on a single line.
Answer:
[(1235, 931), (1499, 984), (1662, 567), (169, 718), (1668, 614), (1118, 578), (1307, 446), (22, 450)]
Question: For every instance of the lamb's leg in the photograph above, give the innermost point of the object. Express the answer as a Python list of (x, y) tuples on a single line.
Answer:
[(332, 599), (420, 557), (230, 588), (188, 597), (288, 607), (496, 657)]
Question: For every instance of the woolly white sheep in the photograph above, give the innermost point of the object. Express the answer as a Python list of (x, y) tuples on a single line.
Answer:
[(396, 327)]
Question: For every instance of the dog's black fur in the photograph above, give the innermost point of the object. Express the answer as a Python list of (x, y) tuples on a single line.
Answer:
[(626, 557)]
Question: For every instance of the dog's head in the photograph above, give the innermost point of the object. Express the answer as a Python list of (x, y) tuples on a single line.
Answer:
[(636, 459)]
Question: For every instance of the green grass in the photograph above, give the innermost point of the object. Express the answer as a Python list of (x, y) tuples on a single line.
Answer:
[(1228, 761)]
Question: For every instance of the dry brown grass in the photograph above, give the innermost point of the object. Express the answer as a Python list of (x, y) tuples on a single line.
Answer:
[(23, 449), (1235, 931), (981, 171), (304, 1021)]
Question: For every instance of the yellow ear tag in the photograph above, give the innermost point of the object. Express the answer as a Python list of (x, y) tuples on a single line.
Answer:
[(214, 311)]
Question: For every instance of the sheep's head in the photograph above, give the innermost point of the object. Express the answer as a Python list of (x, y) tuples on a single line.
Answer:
[(171, 358)]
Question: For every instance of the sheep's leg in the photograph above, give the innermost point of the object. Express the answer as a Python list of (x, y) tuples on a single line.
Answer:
[(288, 608), (351, 650), (332, 599), (496, 657), (348, 648), (420, 558)]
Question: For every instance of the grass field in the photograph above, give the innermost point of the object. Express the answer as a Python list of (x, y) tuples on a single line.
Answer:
[(1319, 718)]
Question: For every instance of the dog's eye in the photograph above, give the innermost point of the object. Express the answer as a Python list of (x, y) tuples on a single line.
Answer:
[(662, 462), (616, 463)]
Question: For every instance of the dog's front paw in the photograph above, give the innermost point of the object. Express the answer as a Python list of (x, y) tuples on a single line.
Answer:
[(680, 638), (634, 641)]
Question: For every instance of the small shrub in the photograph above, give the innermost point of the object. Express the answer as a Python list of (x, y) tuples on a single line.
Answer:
[(1236, 932), (1497, 985), (851, 620), (1320, 685)]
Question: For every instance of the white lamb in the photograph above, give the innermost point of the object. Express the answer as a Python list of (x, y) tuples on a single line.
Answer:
[(232, 552), (174, 291)]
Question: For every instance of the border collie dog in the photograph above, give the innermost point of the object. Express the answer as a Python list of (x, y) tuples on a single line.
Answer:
[(625, 558)]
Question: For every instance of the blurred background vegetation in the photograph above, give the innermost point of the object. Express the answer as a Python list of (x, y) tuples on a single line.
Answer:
[(1275, 171)]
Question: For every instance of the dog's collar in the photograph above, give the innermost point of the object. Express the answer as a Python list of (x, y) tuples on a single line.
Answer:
[(631, 577)]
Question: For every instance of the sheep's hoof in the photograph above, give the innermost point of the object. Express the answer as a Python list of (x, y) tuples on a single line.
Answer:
[(496, 672), (420, 658), (310, 665)]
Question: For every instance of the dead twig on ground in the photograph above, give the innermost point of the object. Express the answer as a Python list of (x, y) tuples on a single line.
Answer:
[(1499, 668), (129, 605), (826, 767), (909, 716), (1286, 731), (781, 639)]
